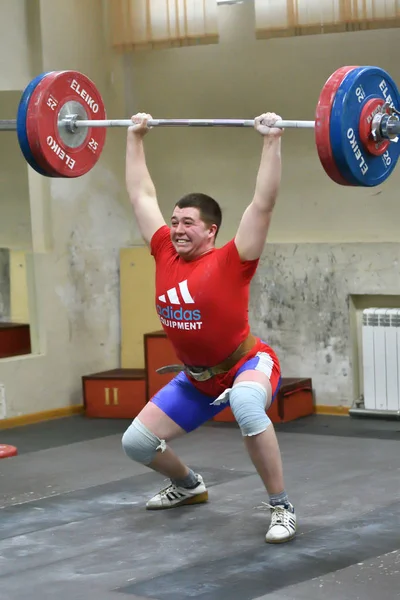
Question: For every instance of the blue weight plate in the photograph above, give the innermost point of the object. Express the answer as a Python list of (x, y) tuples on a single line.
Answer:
[(353, 160), (21, 124)]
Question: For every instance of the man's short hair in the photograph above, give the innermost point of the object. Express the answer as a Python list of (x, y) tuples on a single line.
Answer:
[(210, 210)]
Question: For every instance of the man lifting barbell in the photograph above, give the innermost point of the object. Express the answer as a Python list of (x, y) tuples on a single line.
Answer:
[(61, 123), (202, 296)]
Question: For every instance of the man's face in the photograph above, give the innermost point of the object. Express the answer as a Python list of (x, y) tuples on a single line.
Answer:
[(190, 236)]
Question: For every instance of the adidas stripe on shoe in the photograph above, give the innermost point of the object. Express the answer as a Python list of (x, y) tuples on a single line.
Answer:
[(173, 496)]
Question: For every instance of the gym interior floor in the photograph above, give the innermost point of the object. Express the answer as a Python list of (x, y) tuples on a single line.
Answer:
[(73, 524)]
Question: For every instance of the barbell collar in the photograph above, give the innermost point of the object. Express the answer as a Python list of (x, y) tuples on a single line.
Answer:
[(390, 127)]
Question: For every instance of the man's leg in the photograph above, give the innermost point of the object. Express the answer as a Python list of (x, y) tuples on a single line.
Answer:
[(250, 397), (163, 427), (176, 409), (263, 446)]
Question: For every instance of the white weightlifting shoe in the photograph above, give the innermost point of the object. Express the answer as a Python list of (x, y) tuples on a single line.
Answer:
[(173, 496), (283, 524)]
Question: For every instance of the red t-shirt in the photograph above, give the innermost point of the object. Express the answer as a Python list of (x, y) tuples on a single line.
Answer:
[(202, 304)]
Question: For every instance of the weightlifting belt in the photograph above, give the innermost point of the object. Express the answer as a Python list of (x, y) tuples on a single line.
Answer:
[(205, 373)]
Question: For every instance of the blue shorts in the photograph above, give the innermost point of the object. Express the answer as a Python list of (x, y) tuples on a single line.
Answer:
[(190, 408)]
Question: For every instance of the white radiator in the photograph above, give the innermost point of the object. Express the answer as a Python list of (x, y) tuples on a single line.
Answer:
[(381, 359)]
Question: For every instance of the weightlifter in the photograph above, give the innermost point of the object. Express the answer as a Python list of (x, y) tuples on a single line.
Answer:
[(202, 296)]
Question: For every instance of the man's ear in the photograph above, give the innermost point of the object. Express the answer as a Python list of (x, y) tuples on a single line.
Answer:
[(213, 229)]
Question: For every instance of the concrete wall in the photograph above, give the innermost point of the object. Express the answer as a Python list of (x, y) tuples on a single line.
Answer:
[(14, 43), (307, 302), (4, 284), (15, 221)]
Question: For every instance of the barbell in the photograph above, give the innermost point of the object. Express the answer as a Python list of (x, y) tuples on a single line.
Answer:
[(61, 124)]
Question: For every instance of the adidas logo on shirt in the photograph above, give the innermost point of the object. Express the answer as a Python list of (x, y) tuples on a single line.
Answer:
[(180, 318), (173, 295)]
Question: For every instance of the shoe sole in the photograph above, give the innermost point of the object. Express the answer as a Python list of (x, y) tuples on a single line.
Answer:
[(199, 499), (281, 541)]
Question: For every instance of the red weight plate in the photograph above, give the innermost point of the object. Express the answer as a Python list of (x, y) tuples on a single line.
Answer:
[(68, 155), (322, 124), (7, 451), (368, 112)]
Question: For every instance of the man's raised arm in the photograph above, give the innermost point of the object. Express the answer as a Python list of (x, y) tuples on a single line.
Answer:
[(252, 231), (140, 187)]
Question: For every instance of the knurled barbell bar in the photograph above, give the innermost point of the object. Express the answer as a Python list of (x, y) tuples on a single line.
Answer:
[(61, 124)]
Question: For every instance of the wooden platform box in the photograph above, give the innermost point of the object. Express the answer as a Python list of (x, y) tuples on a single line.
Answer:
[(158, 352), (115, 394), (15, 339), (294, 400)]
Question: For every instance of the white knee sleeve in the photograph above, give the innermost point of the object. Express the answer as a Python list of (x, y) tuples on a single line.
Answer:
[(248, 400), (140, 444)]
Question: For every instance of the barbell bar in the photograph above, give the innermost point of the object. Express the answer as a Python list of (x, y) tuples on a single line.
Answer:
[(61, 123), (190, 123), (72, 122), (8, 125)]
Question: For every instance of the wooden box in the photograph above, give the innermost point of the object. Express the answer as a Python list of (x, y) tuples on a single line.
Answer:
[(15, 339), (295, 399), (115, 394), (158, 352)]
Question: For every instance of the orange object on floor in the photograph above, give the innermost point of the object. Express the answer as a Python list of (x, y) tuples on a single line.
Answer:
[(115, 394), (7, 451), (295, 399)]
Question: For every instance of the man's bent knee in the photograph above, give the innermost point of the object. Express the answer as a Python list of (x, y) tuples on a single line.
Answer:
[(248, 400), (140, 444)]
